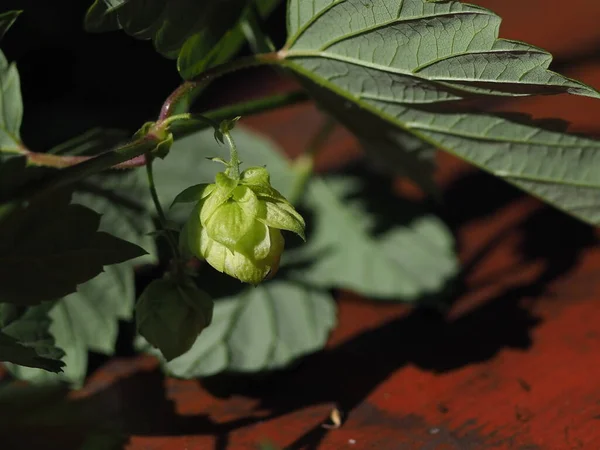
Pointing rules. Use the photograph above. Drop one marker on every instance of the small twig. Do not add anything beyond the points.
(186, 90)
(162, 218)
(180, 129)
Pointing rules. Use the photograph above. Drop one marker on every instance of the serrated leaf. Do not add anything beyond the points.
(262, 328)
(170, 316)
(87, 320)
(25, 338)
(11, 106)
(409, 62)
(57, 245)
(7, 19)
(367, 240)
(414, 52)
(121, 197)
(11, 350)
(124, 201)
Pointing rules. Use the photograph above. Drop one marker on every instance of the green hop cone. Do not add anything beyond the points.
(236, 224)
(170, 316)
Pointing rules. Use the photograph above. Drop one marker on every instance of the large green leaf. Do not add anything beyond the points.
(11, 106)
(57, 245)
(417, 52)
(262, 328)
(25, 338)
(121, 197)
(170, 315)
(410, 62)
(367, 240)
(6, 21)
(86, 320)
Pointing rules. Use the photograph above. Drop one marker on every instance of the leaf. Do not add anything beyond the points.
(170, 316)
(57, 245)
(11, 106)
(124, 201)
(121, 197)
(7, 19)
(423, 52)
(197, 54)
(367, 240)
(25, 339)
(87, 320)
(262, 328)
(198, 34)
(409, 62)
(168, 24)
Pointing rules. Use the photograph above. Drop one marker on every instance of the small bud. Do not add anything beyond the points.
(170, 316)
(236, 225)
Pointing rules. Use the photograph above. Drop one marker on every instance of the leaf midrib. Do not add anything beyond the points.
(403, 126)
(290, 54)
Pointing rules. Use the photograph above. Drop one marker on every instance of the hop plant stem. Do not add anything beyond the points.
(159, 210)
(234, 159)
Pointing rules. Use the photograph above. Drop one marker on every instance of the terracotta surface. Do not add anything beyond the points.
(514, 365)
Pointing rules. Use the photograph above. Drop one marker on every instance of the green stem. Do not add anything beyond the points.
(185, 92)
(86, 168)
(258, 40)
(162, 219)
(192, 124)
(303, 165)
(185, 128)
(234, 160)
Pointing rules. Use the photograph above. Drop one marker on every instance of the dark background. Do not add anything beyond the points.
(73, 80)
